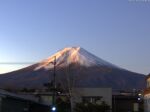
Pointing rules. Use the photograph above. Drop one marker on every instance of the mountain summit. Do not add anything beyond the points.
(74, 64)
(74, 55)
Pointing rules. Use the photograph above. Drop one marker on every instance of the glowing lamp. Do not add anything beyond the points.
(53, 109)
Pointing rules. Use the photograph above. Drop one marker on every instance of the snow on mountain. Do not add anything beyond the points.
(71, 55)
(86, 70)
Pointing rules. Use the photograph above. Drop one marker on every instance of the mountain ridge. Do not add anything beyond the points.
(74, 63)
(75, 55)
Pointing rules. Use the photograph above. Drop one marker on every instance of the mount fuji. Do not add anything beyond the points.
(74, 66)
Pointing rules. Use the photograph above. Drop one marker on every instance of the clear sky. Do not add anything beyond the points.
(115, 30)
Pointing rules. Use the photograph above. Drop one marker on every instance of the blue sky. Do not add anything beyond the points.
(114, 30)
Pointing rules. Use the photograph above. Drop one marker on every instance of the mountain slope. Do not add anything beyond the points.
(73, 55)
(75, 66)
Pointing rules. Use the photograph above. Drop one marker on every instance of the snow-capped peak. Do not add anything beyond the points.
(71, 55)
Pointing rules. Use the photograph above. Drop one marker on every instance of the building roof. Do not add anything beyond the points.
(148, 76)
(24, 97)
(4, 93)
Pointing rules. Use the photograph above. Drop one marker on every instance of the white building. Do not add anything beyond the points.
(93, 95)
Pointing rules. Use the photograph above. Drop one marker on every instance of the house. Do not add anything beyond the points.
(11, 102)
(79, 95)
(147, 95)
(93, 95)
(127, 103)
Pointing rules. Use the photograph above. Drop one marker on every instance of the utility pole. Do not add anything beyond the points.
(54, 86)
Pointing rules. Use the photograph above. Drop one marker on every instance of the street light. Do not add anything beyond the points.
(53, 108)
